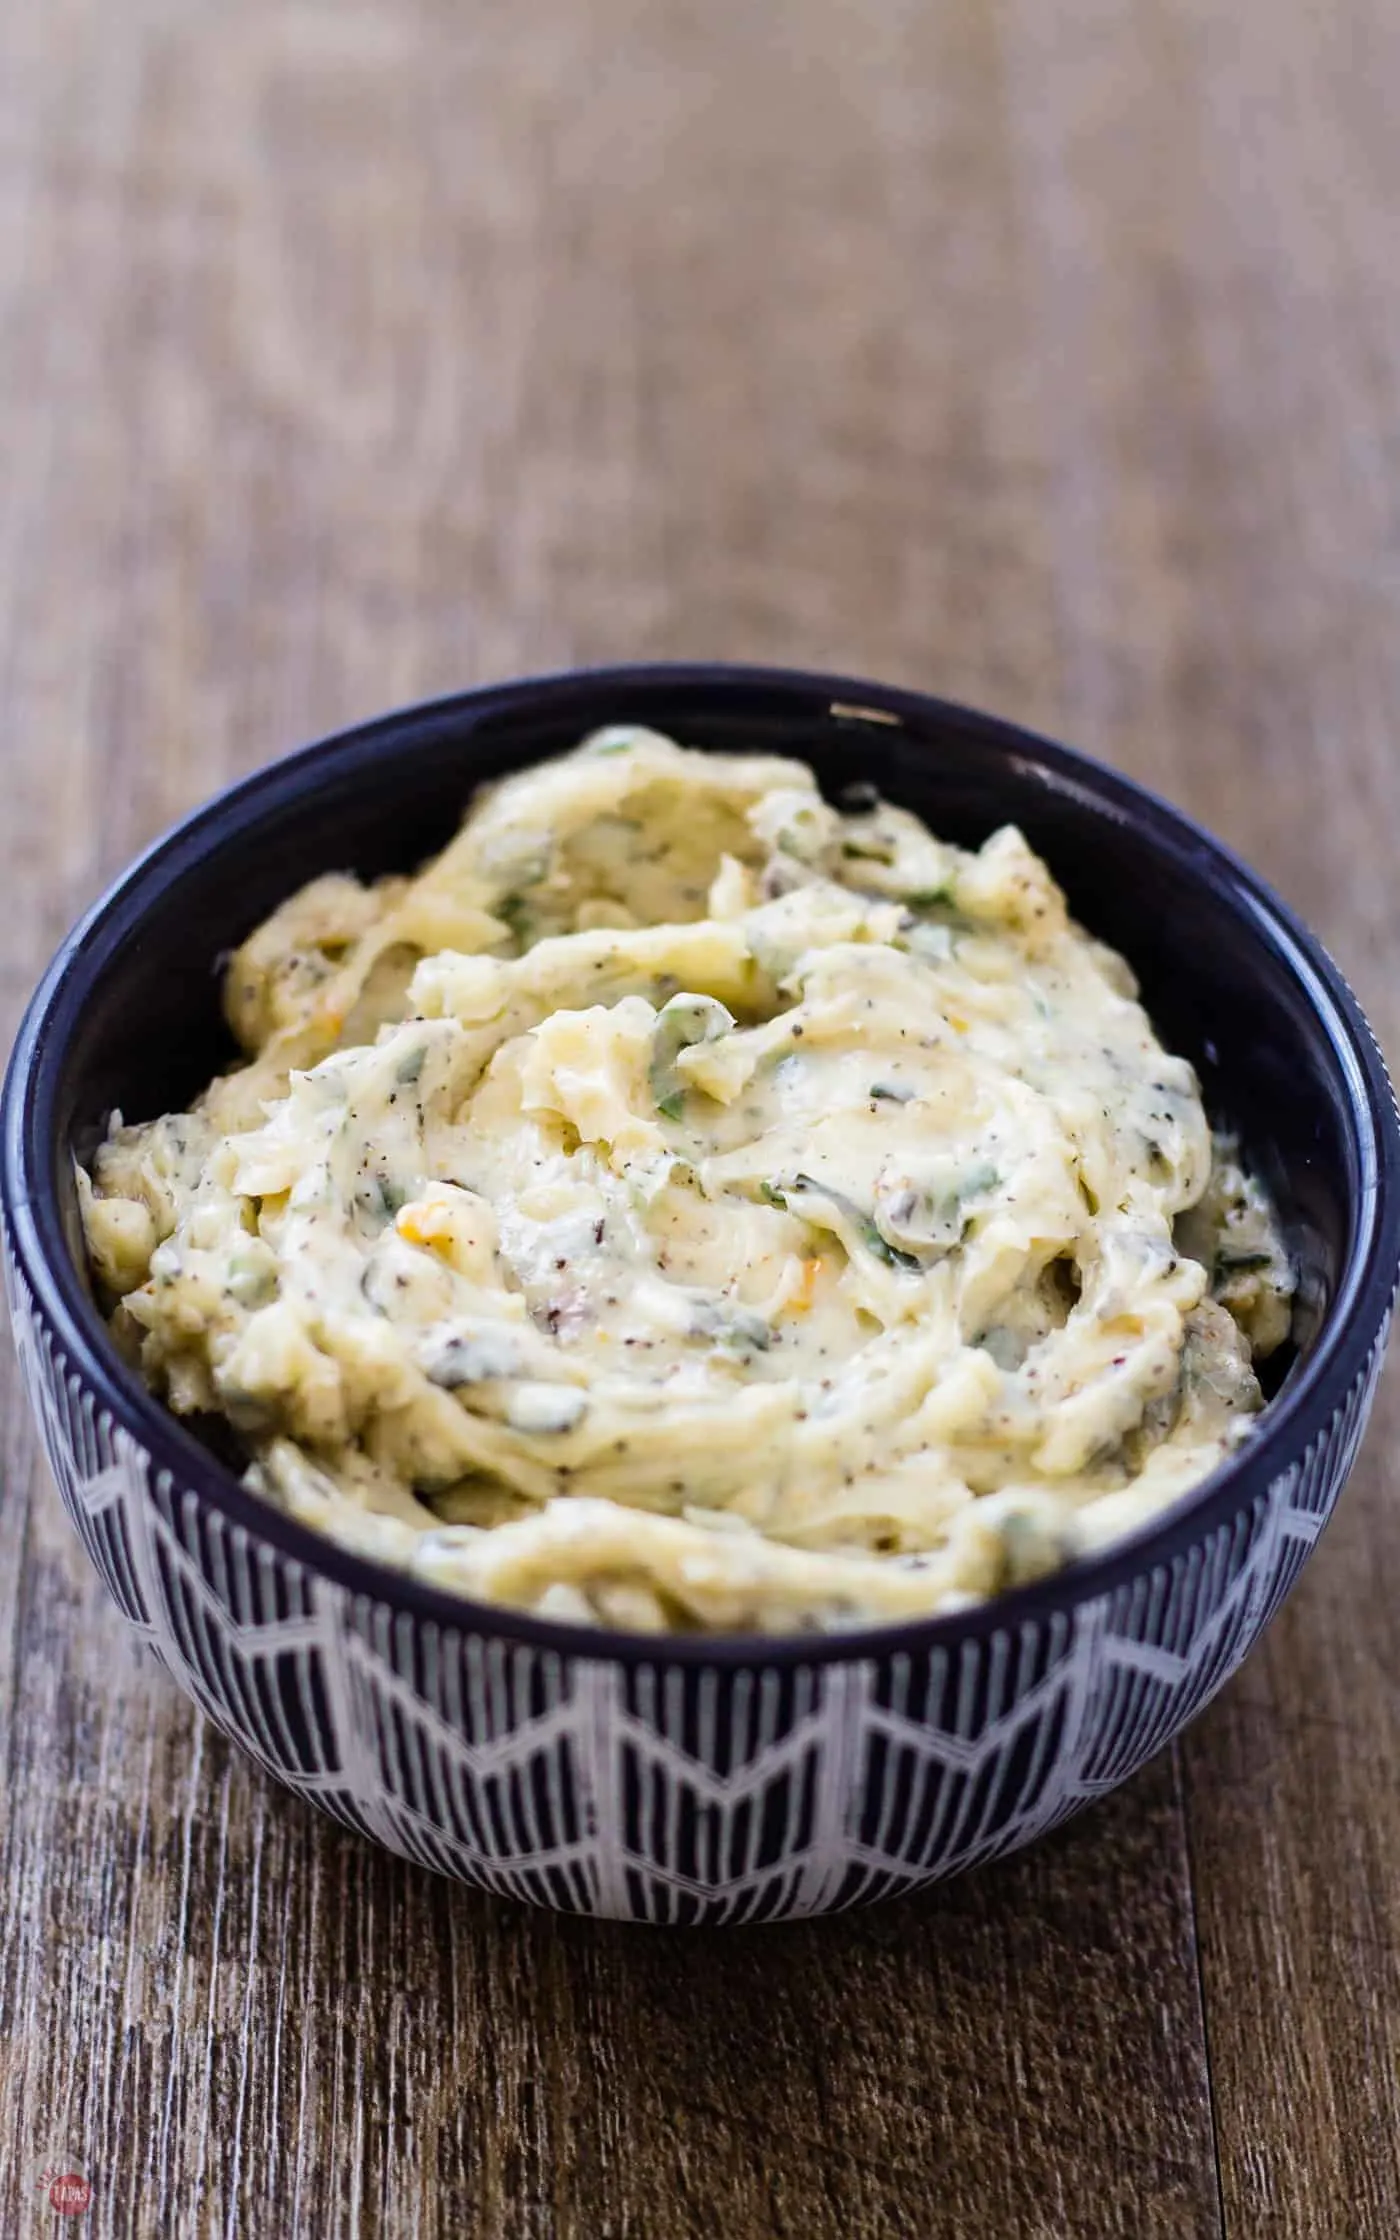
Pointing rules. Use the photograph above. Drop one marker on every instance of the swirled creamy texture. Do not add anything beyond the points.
(688, 1205)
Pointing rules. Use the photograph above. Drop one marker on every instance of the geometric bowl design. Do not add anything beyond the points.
(686, 1780)
(647, 1792)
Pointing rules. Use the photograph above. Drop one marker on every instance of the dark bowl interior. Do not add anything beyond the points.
(132, 1020)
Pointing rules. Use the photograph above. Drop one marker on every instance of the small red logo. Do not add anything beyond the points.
(61, 2180)
(69, 2193)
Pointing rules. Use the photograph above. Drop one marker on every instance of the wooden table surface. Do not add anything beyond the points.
(1042, 352)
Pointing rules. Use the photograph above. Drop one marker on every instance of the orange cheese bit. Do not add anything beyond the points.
(426, 1224)
(800, 1298)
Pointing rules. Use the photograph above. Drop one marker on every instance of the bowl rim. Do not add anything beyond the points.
(1355, 1320)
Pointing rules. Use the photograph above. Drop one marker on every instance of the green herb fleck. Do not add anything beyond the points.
(514, 911)
(884, 1250)
(473, 1360)
(380, 1197)
(862, 1223)
(684, 1021)
(734, 1328)
(252, 1278)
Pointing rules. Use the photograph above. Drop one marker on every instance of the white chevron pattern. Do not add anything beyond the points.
(655, 1793)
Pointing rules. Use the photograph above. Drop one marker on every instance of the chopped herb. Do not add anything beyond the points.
(1006, 1347)
(411, 1067)
(252, 1279)
(922, 938)
(892, 1092)
(684, 1021)
(380, 1197)
(1030, 1548)
(891, 1254)
(862, 1223)
(934, 1219)
(514, 911)
(472, 1360)
(733, 1327)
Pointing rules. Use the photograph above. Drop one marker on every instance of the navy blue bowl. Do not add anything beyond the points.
(699, 1778)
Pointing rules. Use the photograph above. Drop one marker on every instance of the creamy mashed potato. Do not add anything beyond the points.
(690, 1205)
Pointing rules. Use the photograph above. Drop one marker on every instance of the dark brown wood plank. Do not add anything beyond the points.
(1042, 356)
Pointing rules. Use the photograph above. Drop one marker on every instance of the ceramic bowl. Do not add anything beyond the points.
(698, 1779)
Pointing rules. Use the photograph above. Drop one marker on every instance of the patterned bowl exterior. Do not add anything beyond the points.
(649, 1792)
(662, 1781)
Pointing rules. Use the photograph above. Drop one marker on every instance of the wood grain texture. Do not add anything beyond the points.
(1043, 352)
